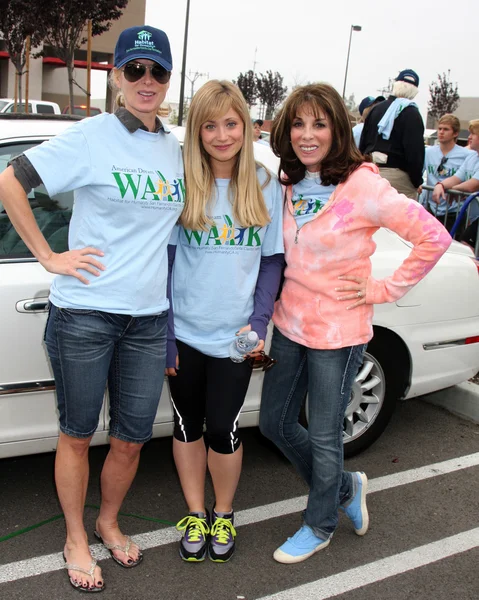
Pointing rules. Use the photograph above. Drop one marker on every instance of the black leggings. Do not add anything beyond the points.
(208, 388)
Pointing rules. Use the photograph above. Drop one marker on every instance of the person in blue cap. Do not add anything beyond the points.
(393, 135)
(364, 107)
(107, 322)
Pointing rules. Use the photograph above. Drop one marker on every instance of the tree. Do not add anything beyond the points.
(63, 23)
(173, 118)
(247, 85)
(17, 22)
(270, 91)
(444, 96)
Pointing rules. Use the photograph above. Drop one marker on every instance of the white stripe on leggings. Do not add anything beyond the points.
(235, 427)
(180, 418)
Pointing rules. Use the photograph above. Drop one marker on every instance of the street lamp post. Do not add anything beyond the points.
(353, 28)
(183, 66)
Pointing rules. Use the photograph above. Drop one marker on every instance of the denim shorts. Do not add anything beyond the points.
(90, 349)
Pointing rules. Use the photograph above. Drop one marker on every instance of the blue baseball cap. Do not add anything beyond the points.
(369, 101)
(409, 76)
(143, 42)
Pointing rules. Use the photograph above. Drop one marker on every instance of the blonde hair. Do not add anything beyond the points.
(403, 89)
(474, 126)
(113, 85)
(366, 112)
(210, 102)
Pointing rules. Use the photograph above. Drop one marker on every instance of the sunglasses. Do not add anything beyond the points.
(262, 361)
(441, 168)
(134, 71)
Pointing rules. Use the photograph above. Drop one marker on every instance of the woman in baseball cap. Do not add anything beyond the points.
(108, 312)
(142, 50)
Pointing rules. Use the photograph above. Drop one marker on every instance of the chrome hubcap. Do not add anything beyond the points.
(366, 401)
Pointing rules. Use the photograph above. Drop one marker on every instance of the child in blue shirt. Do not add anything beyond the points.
(225, 277)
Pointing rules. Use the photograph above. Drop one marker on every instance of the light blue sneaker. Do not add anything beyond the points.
(301, 546)
(357, 510)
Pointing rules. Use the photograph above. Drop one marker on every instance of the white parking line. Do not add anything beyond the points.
(160, 537)
(346, 581)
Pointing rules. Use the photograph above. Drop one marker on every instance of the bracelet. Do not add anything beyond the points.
(441, 184)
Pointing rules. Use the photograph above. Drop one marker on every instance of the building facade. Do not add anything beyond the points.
(48, 79)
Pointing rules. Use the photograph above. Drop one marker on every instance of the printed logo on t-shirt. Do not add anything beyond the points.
(224, 233)
(137, 185)
(432, 170)
(305, 205)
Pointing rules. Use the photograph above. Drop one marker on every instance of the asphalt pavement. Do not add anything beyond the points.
(423, 541)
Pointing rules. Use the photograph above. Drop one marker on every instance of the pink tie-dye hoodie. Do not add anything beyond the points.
(338, 241)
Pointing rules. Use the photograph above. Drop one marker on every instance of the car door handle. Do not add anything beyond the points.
(32, 305)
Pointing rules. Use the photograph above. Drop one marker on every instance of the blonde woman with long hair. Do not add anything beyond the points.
(226, 266)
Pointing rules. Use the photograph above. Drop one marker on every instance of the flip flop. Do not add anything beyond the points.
(78, 586)
(125, 549)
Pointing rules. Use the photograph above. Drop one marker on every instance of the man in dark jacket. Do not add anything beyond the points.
(394, 135)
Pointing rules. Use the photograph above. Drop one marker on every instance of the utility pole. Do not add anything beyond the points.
(192, 79)
(255, 62)
(353, 28)
(388, 89)
(183, 66)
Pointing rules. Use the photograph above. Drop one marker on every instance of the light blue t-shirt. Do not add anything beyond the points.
(453, 161)
(309, 197)
(357, 131)
(469, 168)
(215, 271)
(128, 195)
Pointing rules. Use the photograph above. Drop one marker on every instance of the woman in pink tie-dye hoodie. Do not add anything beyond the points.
(335, 200)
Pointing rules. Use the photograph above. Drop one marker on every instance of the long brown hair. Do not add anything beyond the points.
(343, 157)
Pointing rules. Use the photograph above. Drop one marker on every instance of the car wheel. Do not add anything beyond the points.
(371, 405)
(373, 398)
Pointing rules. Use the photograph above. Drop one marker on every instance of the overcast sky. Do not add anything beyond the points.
(310, 42)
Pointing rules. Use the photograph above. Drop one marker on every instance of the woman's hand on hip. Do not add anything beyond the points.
(69, 263)
(356, 290)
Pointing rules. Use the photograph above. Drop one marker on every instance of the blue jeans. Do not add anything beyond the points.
(87, 348)
(327, 376)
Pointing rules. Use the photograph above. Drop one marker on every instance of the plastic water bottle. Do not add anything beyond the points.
(243, 344)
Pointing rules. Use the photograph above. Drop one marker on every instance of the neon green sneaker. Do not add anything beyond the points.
(222, 540)
(194, 542)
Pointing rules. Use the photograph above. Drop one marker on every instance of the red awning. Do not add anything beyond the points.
(79, 64)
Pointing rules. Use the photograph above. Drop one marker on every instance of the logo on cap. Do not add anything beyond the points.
(143, 40)
(144, 35)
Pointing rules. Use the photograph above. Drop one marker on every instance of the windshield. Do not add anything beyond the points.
(3, 103)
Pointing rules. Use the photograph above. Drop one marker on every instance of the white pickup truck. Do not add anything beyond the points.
(7, 105)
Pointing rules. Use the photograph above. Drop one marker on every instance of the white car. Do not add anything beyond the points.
(427, 341)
